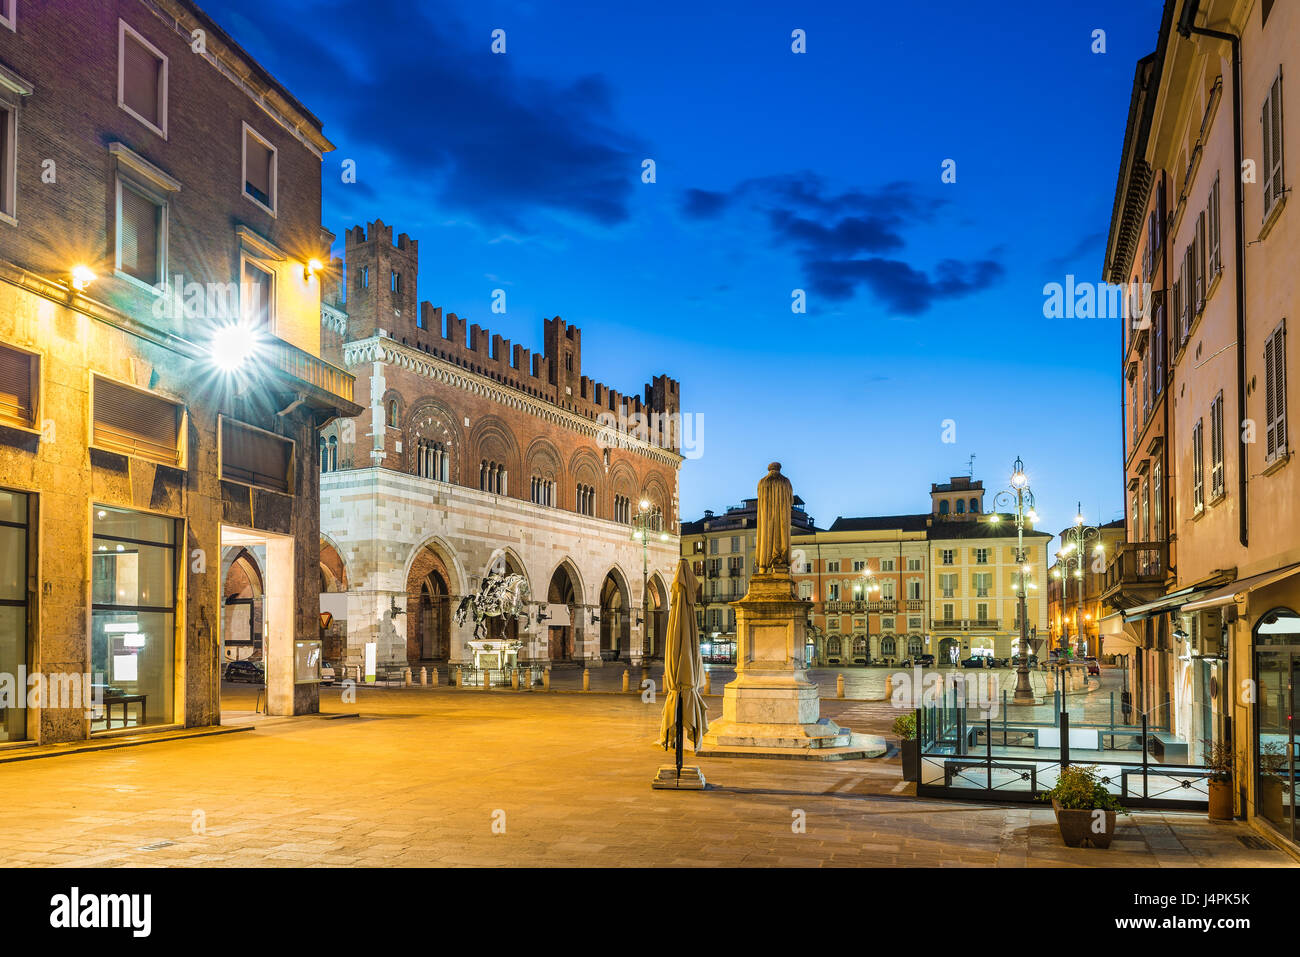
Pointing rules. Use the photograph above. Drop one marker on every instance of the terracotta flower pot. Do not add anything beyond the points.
(1080, 825)
(1220, 800)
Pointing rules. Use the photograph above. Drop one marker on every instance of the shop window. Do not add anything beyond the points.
(133, 604)
(14, 544)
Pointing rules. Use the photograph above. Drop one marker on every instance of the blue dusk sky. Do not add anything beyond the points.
(774, 171)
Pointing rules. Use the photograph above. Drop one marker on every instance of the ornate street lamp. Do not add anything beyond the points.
(642, 530)
(1074, 554)
(1019, 494)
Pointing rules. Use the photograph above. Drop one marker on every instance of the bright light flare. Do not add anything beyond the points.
(82, 276)
(233, 346)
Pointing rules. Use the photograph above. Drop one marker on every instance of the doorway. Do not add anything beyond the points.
(257, 648)
(1276, 745)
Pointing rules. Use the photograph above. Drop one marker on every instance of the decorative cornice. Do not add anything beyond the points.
(383, 349)
(335, 319)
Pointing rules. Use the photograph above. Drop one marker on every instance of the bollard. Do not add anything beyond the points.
(708, 682)
(546, 680)
(586, 679)
(460, 677)
(424, 677)
(406, 677)
(514, 679)
(626, 679)
(434, 677)
(839, 685)
(889, 687)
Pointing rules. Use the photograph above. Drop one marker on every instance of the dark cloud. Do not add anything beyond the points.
(704, 204)
(426, 98)
(842, 238)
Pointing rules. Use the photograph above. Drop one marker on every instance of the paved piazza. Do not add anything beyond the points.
(422, 775)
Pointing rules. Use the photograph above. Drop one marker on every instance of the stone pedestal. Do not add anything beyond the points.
(771, 709)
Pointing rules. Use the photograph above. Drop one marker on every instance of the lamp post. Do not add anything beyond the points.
(642, 530)
(1073, 553)
(1020, 494)
(868, 586)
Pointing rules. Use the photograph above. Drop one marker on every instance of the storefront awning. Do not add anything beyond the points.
(1226, 594)
(1168, 603)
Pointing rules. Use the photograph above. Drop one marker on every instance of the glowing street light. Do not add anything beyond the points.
(82, 276)
(232, 346)
(1021, 497)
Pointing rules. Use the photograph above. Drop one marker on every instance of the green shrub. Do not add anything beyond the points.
(1078, 787)
(905, 726)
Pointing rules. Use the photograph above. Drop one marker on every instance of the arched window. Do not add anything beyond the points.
(887, 647)
(334, 453)
(392, 413)
(974, 506)
(913, 646)
(943, 507)
(324, 456)
(961, 506)
(833, 647)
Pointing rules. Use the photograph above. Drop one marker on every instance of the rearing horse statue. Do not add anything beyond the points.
(500, 596)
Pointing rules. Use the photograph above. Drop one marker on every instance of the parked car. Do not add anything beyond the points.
(250, 671)
(925, 661)
(1033, 661)
(1094, 666)
(977, 661)
(326, 673)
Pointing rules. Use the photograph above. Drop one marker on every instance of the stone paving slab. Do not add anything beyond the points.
(465, 779)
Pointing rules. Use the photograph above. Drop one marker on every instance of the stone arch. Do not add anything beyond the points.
(615, 614)
(429, 597)
(458, 579)
(333, 567)
(622, 485)
(429, 421)
(656, 611)
(542, 463)
(657, 494)
(565, 587)
(514, 565)
(242, 603)
(585, 469)
(492, 441)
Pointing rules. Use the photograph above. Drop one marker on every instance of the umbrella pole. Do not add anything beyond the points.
(679, 738)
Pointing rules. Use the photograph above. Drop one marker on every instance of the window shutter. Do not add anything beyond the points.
(255, 457)
(16, 386)
(1270, 402)
(136, 423)
(139, 243)
(1279, 388)
(141, 73)
(1199, 259)
(257, 168)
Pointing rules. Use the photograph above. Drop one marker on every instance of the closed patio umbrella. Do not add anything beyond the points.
(684, 710)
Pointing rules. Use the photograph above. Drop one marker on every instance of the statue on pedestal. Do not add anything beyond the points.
(775, 499)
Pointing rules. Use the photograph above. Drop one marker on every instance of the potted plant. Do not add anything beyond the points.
(1085, 810)
(1272, 759)
(1221, 761)
(905, 728)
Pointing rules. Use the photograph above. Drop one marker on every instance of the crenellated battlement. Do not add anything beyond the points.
(377, 290)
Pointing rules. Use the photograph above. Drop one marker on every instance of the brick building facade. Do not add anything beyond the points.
(145, 154)
(473, 454)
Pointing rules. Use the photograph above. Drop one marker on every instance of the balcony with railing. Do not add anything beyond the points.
(1136, 565)
(964, 624)
(309, 369)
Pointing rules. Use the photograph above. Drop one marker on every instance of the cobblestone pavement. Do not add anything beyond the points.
(422, 777)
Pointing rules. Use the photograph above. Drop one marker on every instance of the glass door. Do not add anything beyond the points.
(1277, 752)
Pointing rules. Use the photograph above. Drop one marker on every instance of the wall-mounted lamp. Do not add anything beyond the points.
(542, 616)
(394, 611)
(82, 276)
(595, 618)
(310, 268)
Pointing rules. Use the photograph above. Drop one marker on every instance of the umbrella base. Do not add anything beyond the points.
(691, 779)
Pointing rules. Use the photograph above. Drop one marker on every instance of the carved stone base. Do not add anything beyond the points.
(691, 778)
